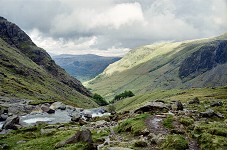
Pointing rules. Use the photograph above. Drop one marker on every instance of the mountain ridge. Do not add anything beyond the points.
(156, 67)
(32, 73)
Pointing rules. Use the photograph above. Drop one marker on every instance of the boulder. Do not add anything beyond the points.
(81, 136)
(207, 114)
(11, 123)
(3, 117)
(179, 105)
(47, 109)
(58, 105)
(216, 104)
(194, 101)
(75, 117)
(152, 106)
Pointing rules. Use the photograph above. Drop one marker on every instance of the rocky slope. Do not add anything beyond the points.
(197, 63)
(27, 71)
(84, 67)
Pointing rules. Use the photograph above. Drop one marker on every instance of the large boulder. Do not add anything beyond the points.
(152, 106)
(210, 113)
(76, 117)
(194, 101)
(81, 136)
(47, 109)
(58, 105)
(3, 117)
(11, 122)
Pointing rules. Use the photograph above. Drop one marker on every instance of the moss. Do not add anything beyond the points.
(135, 125)
(187, 121)
(168, 122)
(175, 142)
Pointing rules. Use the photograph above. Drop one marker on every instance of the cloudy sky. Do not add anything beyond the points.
(113, 27)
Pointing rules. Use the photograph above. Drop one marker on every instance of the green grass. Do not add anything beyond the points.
(23, 78)
(154, 67)
(37, 141)
(133, 125)
(175, 142)
(168, 122)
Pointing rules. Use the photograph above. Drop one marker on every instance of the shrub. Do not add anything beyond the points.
(99, 100)
(123, 95)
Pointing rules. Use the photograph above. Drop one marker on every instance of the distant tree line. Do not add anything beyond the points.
(123, 95)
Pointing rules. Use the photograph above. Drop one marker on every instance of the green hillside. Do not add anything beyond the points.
(172, 65)
(28, 72)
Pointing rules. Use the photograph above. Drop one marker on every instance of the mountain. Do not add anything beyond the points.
(84, 67)
(195, 63)
(27, 71)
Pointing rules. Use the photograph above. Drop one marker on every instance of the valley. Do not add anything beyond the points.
(168, 95)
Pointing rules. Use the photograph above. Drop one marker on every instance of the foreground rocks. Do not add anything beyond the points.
(152, 106)
(11, 123)
(80, 136)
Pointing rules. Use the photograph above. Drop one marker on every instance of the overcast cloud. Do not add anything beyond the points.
(113, 27)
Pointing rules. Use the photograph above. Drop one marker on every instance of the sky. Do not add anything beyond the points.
(113, 27)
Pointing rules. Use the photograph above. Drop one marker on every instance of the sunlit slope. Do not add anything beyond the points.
(165, 66)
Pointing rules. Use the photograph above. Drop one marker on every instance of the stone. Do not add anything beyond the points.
(207, 114)
(47, 132)
(152, 106)
(179, 105)
(194, 101)
(3, 117)
(81, 136)
(21, 142)
(11, 123)
(46, 109)
(216, 104)
(75, 117)
(58, 105)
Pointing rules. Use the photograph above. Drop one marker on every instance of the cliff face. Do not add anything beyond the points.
(206, 58)
(18, 39)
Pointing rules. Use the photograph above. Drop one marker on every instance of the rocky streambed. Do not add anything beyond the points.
(49, 113)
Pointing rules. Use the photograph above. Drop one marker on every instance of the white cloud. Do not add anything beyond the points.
(108, 27)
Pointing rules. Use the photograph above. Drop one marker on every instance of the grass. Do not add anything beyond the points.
(23, 78)
(35, 140)
(168, 122)
(134, 125)
(159, 64)
(175, 142)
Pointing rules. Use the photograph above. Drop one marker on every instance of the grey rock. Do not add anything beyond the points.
(179, 105)
(152, 106)
(75, 117)
(11, 122)
(21, 142)
(46, 109)
(216, 104)
(194, 101)
(207, 114)
(3, 117)
(80, 136)
(58, 105)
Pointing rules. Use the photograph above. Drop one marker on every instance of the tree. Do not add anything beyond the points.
(99, 100)
(123, 95)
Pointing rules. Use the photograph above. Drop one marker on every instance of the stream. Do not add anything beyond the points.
(60, 116)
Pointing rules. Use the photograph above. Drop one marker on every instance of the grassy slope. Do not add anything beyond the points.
(206, 95)
(154, 67)
(21, 77)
